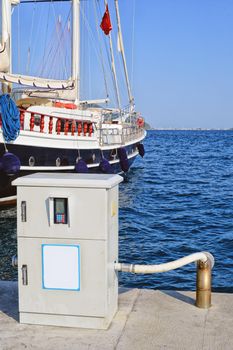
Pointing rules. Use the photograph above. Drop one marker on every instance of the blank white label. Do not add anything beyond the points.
(61, 266)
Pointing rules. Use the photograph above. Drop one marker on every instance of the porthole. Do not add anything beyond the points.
(31, 161)
(58, 161)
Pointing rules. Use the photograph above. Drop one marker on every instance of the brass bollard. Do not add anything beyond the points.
(203, 284)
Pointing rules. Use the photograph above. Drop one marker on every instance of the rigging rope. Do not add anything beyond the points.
(133, 43)
(30, 41)
(18, 39)
(101, 51)
(46, 37)
(60, 49)
(97, 50)
(10, 118)
(113, 67)
(55, 61)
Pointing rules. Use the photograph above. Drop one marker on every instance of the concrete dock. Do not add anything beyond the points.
(146, 319)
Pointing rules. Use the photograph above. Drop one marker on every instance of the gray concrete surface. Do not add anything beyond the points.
(146, 319)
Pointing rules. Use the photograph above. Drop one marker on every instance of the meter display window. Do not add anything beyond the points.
(60, 210)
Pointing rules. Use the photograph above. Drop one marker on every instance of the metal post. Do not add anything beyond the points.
(203, 284)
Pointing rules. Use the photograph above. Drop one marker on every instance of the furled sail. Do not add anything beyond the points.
(4, 58)
(39, 83)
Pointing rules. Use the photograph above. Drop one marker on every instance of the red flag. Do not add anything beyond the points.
(106, 25)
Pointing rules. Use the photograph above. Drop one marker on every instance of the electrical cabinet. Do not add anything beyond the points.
(67, 231)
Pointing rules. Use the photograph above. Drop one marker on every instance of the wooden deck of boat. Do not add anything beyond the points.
(146, 319)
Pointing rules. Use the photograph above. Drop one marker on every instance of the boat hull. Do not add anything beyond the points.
(46, 160)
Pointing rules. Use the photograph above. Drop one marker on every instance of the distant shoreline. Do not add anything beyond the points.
(189, 129)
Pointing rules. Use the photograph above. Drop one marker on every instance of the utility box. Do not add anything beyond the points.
(67, 229)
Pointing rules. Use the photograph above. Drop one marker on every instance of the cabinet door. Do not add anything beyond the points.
(67, 278)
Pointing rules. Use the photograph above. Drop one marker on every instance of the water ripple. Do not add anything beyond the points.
(180, 200)
(176, 201)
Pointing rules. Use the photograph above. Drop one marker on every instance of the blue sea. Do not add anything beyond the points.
(175, 201)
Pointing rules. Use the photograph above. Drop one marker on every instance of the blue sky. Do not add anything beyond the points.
(182, 60)
(183, 73)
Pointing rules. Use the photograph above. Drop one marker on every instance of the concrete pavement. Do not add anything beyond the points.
(147, 319)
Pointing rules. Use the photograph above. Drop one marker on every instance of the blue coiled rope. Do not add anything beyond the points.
(10, 118)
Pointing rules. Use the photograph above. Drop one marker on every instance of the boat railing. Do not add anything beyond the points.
(119, 134)
(108, 134)
(54, 125)
(131, 132)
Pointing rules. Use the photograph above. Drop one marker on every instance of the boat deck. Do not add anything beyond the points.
(146, 319)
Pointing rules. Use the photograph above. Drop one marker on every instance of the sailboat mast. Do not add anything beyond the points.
(6, 24)
(76, 47)
(113, 68)
(121, 46)
(6, 43)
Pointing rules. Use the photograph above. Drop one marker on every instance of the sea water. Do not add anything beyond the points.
(175, 201)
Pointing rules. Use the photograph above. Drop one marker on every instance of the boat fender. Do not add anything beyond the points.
(59, 105)
(141, 149)
(124, 163)
(81, 167)
(70, 106)
(10, 163)
(105, 166)
(65, 105)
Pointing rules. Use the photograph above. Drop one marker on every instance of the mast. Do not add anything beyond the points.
(121, 46)
(114, 72)
(6, 27)
(75, 64)
(5, 52)
(113, 67)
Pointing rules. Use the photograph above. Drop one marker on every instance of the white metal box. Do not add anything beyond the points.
(67, 228)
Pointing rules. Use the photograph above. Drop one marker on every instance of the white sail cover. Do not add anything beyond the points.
(4, 60)
(40, 83)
